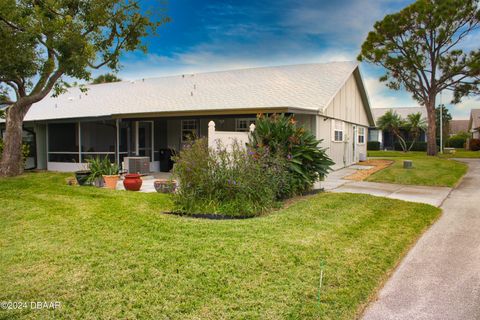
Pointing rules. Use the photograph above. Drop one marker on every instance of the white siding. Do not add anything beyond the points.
(347, 106)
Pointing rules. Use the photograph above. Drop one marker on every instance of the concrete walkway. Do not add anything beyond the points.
(440, 277)
(335, 182)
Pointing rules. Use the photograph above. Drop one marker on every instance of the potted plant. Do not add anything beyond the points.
(102, 171)
(95, 177)
(110, 174)
(165, 185)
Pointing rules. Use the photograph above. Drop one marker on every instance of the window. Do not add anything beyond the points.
(189, 130)
(361, 135)
(243, 124)
(338, 129)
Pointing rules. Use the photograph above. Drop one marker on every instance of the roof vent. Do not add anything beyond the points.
(70, 98)
(191, 93)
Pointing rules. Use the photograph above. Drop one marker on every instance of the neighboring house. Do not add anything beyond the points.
(140, 118)
(457, 126)
(474, 123)
(387, 139)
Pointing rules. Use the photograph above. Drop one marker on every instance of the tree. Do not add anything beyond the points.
(393, 123)
(420, 49)
(446, 118)
(106, 78)
(415, 125)
(43, 41)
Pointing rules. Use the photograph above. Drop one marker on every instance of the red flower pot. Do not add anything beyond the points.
(132, 182)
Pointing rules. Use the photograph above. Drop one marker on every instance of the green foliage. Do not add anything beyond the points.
(373, 145)
(99, 167)
(422, 48)
(394, 123)
(106, 78)
(234, 182)
(70, 37)
(475, 144)
(280, 136)
(44, 42)
(458, 140)
(423, 37)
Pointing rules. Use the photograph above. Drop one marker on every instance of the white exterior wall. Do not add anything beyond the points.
(347, 106)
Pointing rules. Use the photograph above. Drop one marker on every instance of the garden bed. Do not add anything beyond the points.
(209, 216)
(377, 164)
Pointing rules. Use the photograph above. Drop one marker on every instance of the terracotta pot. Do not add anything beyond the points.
(111, 181)
(165, 186)
(132, 182)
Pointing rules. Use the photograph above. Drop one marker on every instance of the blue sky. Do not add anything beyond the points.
(217, 35)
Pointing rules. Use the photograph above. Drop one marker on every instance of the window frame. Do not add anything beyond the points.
(360, 135)
(192, 131)
(335, 130)
(249, 122)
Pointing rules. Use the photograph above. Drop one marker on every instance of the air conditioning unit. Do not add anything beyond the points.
(137, 164)
(362, 157)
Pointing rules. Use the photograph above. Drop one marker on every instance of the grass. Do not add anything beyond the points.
(112, 254)
(428, 171)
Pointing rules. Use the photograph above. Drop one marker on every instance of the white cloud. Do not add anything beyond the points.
(382, 97)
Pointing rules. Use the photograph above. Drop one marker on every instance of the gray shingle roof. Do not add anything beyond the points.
(308, 87)
(457, 126)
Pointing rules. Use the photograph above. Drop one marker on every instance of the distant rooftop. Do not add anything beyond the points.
(457, 126)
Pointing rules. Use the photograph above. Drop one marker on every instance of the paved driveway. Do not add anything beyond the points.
(440, 277)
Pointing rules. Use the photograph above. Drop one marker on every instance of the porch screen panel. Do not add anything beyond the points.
(98, 139)
(63, 142)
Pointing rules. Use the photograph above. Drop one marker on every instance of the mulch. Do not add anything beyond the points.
(378, 164)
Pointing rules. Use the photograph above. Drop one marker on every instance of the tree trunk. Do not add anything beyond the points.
(12, 160)
(432, 129)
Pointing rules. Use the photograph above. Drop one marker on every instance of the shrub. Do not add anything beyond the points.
(458, 140)
(417, 146)
(280, 136)
(234, 182)
(475, 144)
(373, 145)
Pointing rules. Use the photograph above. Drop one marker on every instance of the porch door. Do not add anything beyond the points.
(145, 139)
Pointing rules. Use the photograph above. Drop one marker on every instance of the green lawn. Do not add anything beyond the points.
(112, 254)
(429, 171)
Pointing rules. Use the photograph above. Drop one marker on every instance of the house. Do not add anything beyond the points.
(387, 139)
(457, 126)
(474, 123)
(144, 117)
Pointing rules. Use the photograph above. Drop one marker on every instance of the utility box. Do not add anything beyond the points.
(407, 164)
